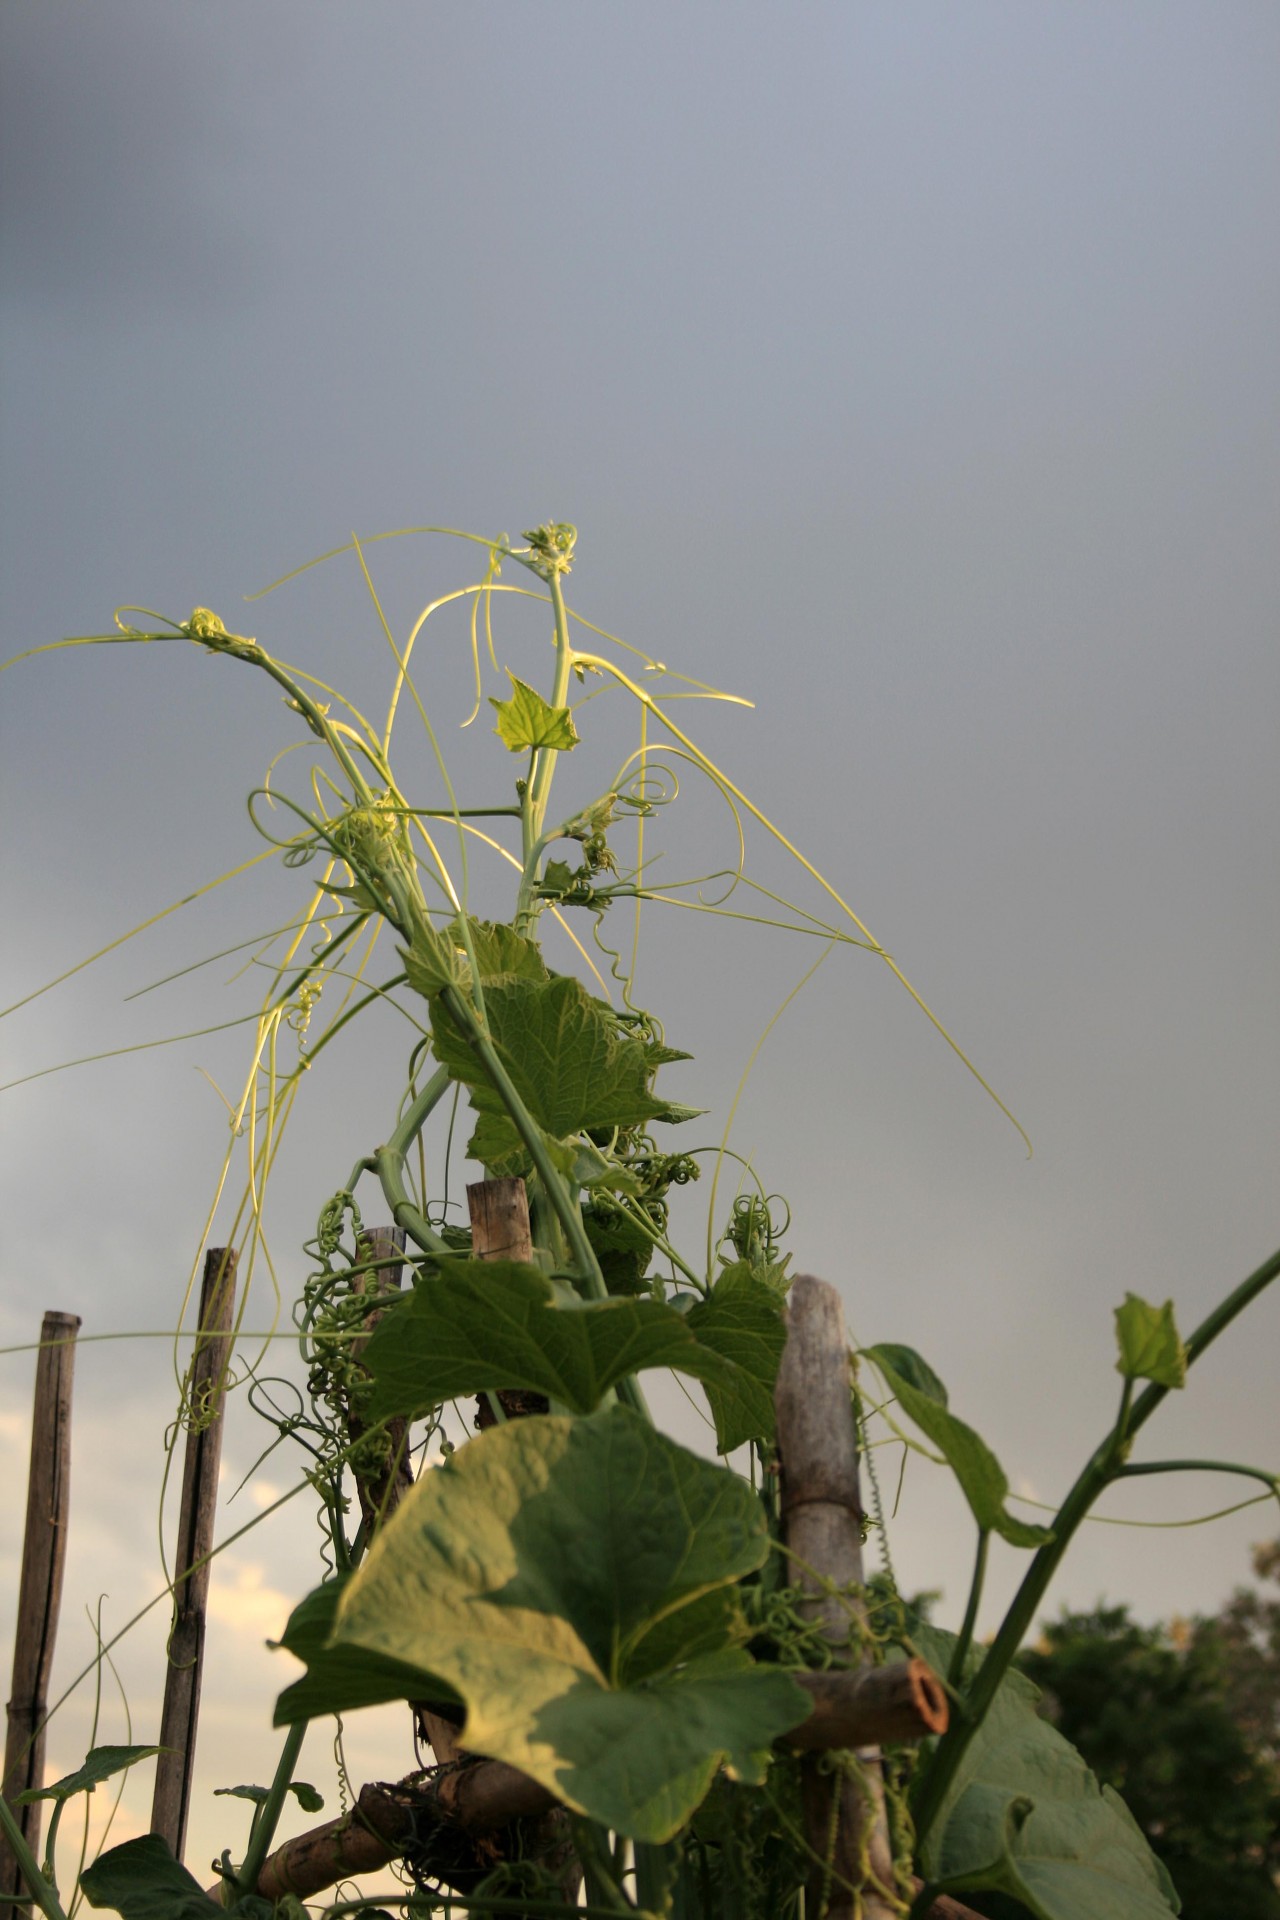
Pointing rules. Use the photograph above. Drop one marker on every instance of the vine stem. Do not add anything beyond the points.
(566, 1212)
(533, 805)
(388, 1163)
(41, 1892)
(267, 1818)
(1106, 1464)
(955, 1674)
(540, 781)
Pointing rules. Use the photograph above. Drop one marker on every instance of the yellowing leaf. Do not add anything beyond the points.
(532, 1570)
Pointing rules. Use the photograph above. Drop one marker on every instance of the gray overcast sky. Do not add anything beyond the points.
(910, 370)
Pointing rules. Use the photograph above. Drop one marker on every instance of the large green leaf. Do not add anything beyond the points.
(571, 1064)
(526, 720)
(530, 1571)
(141, 1880)
(498, 1324)
(1026, 1817)
(341, 1678)
(741, 1321)
(982, 1478)
(1150, 1345)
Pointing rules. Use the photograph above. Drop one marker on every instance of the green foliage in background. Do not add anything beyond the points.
(1183, 1721)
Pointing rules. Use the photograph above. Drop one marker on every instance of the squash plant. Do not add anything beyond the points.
(590, 1602)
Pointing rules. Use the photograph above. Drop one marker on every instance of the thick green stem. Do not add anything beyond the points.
(545, 760)
(388, 1164)
(955, 1673)
(463, 1015)
(464, 1018)
(267, 1818)
(537, 791)
(41, 1892)
(1104, 1466)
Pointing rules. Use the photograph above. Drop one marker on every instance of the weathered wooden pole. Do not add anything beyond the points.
(500, 1230)
(44, 1552)
(844, 1811)
(204, 1398)
(381, 1492)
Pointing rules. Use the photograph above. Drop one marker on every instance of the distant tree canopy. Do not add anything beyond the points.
(1184, 1721)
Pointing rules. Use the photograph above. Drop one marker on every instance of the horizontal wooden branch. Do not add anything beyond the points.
(476, 1797)
(896, 1704)
(900, 1702)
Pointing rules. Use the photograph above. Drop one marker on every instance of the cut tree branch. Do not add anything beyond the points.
(901, 1702)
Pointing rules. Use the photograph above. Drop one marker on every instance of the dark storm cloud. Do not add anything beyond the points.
(909, 369)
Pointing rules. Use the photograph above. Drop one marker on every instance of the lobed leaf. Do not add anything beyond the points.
(741, 1321)
(341, 1678)
(1150, 1345)
(527, 721)
(499, 950)
(497, 1323)
(532, 1571)
(570, 1063)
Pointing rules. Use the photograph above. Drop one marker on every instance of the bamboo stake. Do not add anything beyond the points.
(44, 1552)
(844, 1814)
(204, 1400)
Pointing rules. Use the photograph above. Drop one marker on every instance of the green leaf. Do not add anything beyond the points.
(559, 878)
(141, 1880)
(341, 1678)
(1150, 1346)
(306, 1795)
(357, 893)
(99, 1764)
(433, 961)
(909, 1366)
(586, 1166)
(531, 1569)
(526, 720)
(982, 1478)
(623, 1249)
(499, 949)
(740, 1320)
(1026, 1817)
(498, 1323)
(570, 1063)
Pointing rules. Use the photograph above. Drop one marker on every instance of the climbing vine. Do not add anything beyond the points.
(644, 1676)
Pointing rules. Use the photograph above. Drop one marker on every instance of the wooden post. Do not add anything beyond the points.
(44, 1552)
(204, 1397)
(381, 1493)
(500, 1230)
(844, 1815)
